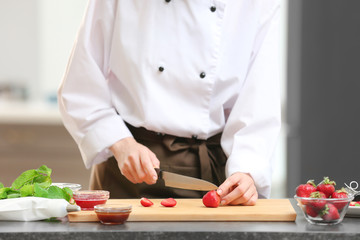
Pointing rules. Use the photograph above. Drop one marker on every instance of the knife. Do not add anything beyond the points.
(184, 182)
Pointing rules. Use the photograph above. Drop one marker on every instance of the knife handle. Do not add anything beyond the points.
(159, 172)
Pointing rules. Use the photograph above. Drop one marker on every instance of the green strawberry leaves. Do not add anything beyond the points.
(37, 183)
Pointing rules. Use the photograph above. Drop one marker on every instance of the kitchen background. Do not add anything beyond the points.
(320, 43)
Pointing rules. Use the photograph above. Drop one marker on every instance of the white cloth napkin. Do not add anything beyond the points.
(32, 208)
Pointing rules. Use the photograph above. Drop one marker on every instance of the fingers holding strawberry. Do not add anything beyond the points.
(238, 189)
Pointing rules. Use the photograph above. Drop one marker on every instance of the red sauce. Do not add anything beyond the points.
(112, 217)
(89, 204)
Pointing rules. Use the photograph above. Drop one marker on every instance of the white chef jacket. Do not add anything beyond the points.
(181, 67)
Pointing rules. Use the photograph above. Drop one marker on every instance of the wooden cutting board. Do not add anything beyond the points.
(194, 210)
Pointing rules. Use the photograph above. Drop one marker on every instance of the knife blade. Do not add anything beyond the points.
(184, 182)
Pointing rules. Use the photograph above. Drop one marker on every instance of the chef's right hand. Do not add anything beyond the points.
(136, 162)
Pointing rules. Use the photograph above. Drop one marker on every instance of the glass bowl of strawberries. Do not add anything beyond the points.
(323, 204)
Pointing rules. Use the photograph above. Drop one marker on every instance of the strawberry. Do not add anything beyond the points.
(319, 201)
(355, 204)
(146, 202)
(211, 199)
(169, 202)
(326, 186)
(311, 211)
(304, 190)
(340, 194)
(330, 212)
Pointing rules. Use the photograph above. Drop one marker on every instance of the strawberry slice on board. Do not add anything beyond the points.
(146, 202)
(169, 202)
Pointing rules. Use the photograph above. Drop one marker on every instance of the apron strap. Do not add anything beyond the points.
(208, 162)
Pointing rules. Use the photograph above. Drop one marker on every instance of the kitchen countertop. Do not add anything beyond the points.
(300, 229)
(32, 112)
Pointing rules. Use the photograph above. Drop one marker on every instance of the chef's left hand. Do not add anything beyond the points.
(238, 189)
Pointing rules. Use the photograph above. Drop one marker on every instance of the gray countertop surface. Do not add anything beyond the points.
(300, 229)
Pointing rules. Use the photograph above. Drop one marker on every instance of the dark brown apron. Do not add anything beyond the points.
(188, 156)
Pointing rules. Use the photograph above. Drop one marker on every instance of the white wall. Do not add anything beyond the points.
(19, 37)
(35, 42)
(279, 175)
(59, 21)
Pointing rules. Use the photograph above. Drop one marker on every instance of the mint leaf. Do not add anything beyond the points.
(3, 192)
(56, 193)
(39, 191)
(69, 192)
(27, 190)
(35, 182)
(44, 181)
(13, 195)
(44, 170)
(24, 178)
(52, 219)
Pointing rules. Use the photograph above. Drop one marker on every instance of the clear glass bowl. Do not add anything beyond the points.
(73, 186)
(324, 211)
(111, 214)
(88, 199)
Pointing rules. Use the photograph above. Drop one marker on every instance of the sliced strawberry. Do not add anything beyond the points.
(340, 194)
(304, 190)
(169, 202)
(355, 204)
(330, 212)
(326, 186)
(318, 202)
(146, 202)
(211, 199)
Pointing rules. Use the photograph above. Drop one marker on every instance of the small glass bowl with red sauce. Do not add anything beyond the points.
(111, 214)
(88, 199)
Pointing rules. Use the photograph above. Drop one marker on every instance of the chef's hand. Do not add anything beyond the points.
(238, 189)
(136, 162)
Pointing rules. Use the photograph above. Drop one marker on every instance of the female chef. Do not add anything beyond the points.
(190, 86)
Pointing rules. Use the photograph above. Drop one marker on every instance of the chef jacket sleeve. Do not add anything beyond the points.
(252, 129)
(84, 95)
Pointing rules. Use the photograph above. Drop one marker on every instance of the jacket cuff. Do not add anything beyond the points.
(94, 147)
(259, 170)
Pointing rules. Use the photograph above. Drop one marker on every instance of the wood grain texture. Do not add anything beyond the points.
(194, 210)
